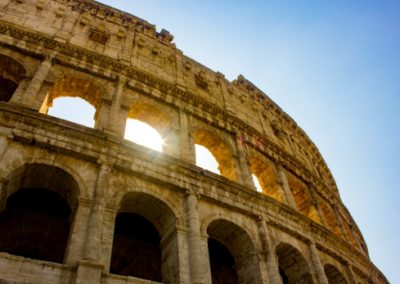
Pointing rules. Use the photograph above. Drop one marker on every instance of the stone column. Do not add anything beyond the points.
(183, 255)
(244, 169)
(77, 232)
(109, 218)
(269, 254)
(196, 254)
(317, 265)
(28, 98)
(286, 189)
(113, 125)
(207, 267)
(92, 247)
(187, 151)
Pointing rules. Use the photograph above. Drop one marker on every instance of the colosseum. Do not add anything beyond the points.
(84, 205)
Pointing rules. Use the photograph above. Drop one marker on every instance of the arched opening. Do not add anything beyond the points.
(267, 177)
(333, 275)
(349, 234)
(233, 258)
(257, 183)
(219, 150)
(11, 73)
(303, 198)
(144, 244)
(222, 263)
(148, 126)
(136, 248)
(143, 134)
(73, 109)
(73, 99)
(206, 160)
(37, 212)
(330, 217)
(293, 267)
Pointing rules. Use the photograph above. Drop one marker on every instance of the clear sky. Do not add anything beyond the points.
(334, 66)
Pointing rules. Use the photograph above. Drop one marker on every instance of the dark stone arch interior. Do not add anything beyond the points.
(222, 263)
(35, 224)
(285, 279)
(241, 248)
(11, 73)
(293, 268)
(7, 89)
(136, 248)
(333, 275)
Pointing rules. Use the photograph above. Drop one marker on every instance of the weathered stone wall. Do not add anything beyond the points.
(126, 69)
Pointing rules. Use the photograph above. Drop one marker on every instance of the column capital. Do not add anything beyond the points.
(50, 58)
(192, 192)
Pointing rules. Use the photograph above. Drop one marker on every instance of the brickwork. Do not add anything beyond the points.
(295, 231)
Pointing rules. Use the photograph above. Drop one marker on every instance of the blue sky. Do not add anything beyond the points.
(334, 66)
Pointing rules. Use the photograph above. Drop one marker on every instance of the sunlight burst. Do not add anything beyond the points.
(143, 134)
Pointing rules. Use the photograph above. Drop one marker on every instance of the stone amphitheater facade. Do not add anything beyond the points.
(84, 205)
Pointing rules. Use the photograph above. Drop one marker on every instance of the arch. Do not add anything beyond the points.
(19, 164)
(330, 217)
(232, 254)
(143, 134)
(150, 207)
(293, 267)
(74, 87)
(151, 115)
(267, 175)
(51, 177)
(158, 120)
(150, 241)
(11, 74)
(38, 205)
(135, 187)
(303, 198)
(333, 275)
(220, 150)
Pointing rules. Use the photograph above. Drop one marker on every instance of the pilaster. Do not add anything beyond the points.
(317, 264)
(187, 150)
(29, 97)
(271, 263)
(113, 124)
(92, 247)
(244, 169)
(285, 187)
(196, 254)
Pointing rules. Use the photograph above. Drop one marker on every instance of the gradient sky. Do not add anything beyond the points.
(333, 66)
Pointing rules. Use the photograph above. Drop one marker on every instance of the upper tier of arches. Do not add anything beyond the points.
(115, 103)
